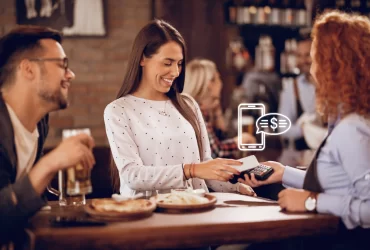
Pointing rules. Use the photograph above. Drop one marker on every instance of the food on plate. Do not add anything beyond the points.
(198, 192)
(180, 198)
(110, 205)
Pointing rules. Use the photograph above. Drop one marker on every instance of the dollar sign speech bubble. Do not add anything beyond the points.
(274, 121)
(274, 125)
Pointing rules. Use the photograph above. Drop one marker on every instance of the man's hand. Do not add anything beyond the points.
(73, 150)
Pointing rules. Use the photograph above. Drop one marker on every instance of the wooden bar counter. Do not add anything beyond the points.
(235, 219)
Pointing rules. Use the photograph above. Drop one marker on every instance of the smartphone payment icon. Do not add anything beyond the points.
(248, 113)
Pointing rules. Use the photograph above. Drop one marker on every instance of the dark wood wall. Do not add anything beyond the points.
(201, 23)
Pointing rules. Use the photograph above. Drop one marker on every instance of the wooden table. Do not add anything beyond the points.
(236, 219)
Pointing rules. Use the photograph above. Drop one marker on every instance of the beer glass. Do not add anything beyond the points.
(75, 182)
(248, 124)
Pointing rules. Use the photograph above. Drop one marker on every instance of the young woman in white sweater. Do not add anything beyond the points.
(157, 135)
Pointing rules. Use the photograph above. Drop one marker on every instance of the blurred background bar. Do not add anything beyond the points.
(238, 35)
(244, 38)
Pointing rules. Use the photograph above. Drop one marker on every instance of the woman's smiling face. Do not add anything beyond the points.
(161, 69)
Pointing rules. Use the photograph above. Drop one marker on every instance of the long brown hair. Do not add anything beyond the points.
(147, 42)
(342, 57)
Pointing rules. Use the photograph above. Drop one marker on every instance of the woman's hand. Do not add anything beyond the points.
(293, 200)
(245, 189)
(276, 176)
(216, 169)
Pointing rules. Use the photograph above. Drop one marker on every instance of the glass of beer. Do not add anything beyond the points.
(248, 125)
(77, 177)
(75, 182)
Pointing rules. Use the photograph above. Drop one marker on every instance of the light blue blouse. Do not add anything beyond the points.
(344, 172)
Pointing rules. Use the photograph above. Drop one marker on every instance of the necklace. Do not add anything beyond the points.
(163, 112)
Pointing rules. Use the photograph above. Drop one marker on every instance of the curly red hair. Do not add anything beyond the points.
(342, 64)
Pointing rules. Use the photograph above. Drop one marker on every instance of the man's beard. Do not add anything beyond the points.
(47, 95)
(56, 98)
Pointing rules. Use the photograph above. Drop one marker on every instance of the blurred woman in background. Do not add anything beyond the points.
(203, 83)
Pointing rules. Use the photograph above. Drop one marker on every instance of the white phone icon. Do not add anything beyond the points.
(248, 113)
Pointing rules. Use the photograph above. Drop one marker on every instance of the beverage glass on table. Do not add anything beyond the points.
(75, 182)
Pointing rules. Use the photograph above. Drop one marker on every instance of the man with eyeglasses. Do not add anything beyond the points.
(34, 80)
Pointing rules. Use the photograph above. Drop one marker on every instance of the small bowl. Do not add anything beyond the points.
(199, 192)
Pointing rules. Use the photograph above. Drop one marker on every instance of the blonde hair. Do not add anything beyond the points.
(342, 56)
(198, 74)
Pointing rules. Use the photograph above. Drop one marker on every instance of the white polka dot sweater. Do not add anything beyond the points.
(150, 140)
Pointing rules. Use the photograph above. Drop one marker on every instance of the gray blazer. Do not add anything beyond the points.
(18, 199)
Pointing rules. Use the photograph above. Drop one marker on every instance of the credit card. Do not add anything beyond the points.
(249, 162)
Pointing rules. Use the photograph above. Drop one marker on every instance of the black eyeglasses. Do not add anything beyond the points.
(63, 60)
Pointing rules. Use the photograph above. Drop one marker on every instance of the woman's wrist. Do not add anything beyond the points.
(183, 172)
(189, 170)
(192, 174)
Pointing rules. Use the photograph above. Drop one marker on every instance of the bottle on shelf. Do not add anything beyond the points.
(287, 13)
(267, 10)
(253, 12)
(275, 16)
(288, 59)
(265, 54)
(261, 17)
(247, 19)
(240, 14)
(300, 14)
(231, 7)
(292, 58)
(309, 8)
(356, 6)
(340, 4)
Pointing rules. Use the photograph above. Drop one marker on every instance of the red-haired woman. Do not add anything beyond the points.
(338, 179)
